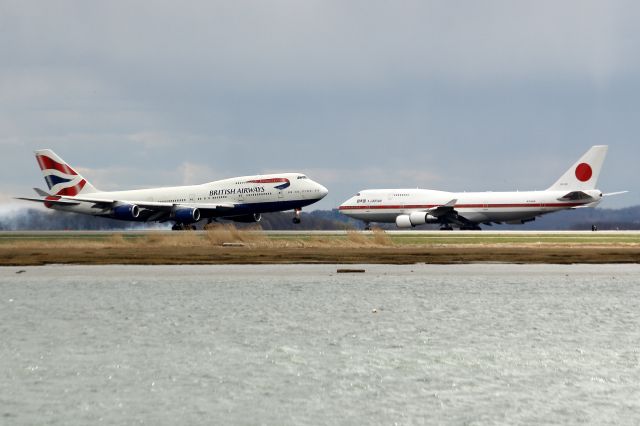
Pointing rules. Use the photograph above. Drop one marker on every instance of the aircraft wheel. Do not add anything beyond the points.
(296, 217)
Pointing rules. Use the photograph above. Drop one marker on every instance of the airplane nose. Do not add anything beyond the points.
(323, 191)
(343, 208)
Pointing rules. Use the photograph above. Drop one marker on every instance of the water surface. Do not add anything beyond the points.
(469, 344)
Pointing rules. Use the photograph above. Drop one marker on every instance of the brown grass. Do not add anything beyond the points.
(127, 253)
(357, 238)
(177, 239)
(381, 238)
(218, 234)
(354, 247)
(116, 240)
(214, 236)
(378, 238)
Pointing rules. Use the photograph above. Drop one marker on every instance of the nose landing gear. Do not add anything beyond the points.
(296, 218)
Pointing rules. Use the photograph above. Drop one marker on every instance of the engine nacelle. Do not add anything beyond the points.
(186, 215)
(420, 218)
(414, 219)
(403, 221)
(247, 218)
(126, 212)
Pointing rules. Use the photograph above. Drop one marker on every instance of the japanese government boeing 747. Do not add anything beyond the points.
(241, 199)
(467, 210)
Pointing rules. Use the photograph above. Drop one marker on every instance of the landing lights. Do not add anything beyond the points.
(296, 218)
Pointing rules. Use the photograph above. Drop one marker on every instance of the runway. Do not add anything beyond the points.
(431, 233)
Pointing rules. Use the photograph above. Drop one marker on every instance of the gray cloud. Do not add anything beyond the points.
(465, 95)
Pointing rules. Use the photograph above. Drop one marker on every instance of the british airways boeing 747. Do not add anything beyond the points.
(241, 199)
(576, 188)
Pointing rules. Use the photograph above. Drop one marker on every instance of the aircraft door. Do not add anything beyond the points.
(192, 198)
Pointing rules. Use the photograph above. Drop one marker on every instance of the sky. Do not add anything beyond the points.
(450, 95)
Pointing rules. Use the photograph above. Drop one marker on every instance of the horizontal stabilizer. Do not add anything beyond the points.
(59, 201)
(614, 193)
(41, 193)
(586, 206)
(575, 196)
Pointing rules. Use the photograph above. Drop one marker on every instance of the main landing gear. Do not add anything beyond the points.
(296, 218)
(183, 227)
(446, 227)
(367, 226)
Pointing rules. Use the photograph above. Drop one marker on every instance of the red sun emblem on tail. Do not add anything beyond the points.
(583, 172)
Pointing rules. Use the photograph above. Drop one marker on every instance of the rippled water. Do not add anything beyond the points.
(474, 344)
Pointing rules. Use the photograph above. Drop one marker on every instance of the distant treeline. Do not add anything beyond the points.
(34, 219)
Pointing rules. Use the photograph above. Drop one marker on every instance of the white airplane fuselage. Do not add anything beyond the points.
(385, 205)
(243, 196)
(413, 207)
(241, 199)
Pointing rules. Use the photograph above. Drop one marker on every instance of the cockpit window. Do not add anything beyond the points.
(358, 194)
(302, 177)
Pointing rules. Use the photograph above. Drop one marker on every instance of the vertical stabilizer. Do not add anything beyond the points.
(61, 178)
(583, 175)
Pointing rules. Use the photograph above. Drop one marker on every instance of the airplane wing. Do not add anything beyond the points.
(150, 210)
(152, 205)
(448, 214)
(443, 210)
(168, 207)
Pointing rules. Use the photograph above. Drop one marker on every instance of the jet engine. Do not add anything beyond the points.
(414, 219)
(247, 218)
(420, 218)
(125, 212)
(186, 215)
(403, 221)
